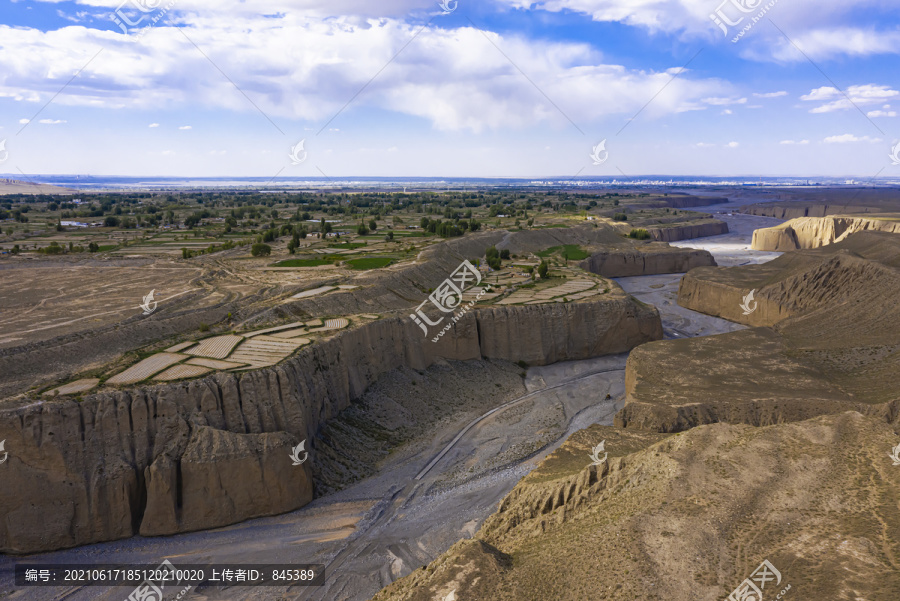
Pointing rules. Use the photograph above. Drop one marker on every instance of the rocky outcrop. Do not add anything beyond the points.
(796, 209)
(713, 503)
(649, 259)
(214, 451)
(825, 341)
(814, 232)
(688, 231)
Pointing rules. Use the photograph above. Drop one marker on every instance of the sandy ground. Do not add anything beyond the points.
(388, 525)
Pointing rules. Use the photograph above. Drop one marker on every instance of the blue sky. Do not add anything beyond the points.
(495, 88)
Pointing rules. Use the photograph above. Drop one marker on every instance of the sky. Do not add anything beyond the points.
(457, 88)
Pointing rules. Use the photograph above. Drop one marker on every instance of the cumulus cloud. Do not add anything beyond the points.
(153, 125)
(183, 127)
(301, 66)
(831, 42)
(724, 101)
(855, 96)
(795, 142)
(880, 113)
(849, 139)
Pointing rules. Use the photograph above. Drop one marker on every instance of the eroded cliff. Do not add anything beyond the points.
(214, 451)
(813, 232)
(648, 259)
(688, 516)
(825, 340)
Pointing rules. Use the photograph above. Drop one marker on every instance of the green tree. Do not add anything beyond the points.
(260, 250)
(543, 270)
(373, 225)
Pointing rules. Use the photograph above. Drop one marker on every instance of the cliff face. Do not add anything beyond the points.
(814, 232)
(650, 259)
(214, 451)
(793, 210)
(712, 227)
(825, 342)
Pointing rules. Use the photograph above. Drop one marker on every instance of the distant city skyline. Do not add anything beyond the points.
(414, 88)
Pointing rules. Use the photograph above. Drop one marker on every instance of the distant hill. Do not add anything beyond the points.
(13, 186)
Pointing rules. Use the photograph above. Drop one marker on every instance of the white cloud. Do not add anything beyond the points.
(849, 139)
(153, 125)
(770, 94)
(733, 144)
(24, 121)
(183, 127)
(52, 121)
(855, 96)
(795, 143)
(705, 145)
(727, 112)
(724, 101)
(872, 114)
(297, 65)
(831, 42)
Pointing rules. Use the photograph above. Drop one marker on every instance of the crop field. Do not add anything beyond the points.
(180, 372)
(215, 348)
(146, 368)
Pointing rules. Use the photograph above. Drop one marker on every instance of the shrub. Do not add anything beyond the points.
(543, 270)
(620, 217)
(261, 250)
(504, 254)
(639, 234)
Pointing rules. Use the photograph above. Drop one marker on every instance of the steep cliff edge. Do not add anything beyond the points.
(648, 259)
(214, 451)
(688, 516)
(813, 232)
(688, 231)
(827, 339)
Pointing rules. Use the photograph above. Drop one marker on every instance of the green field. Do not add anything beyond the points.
(348, 245)
(303, 263)
(369, 263)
